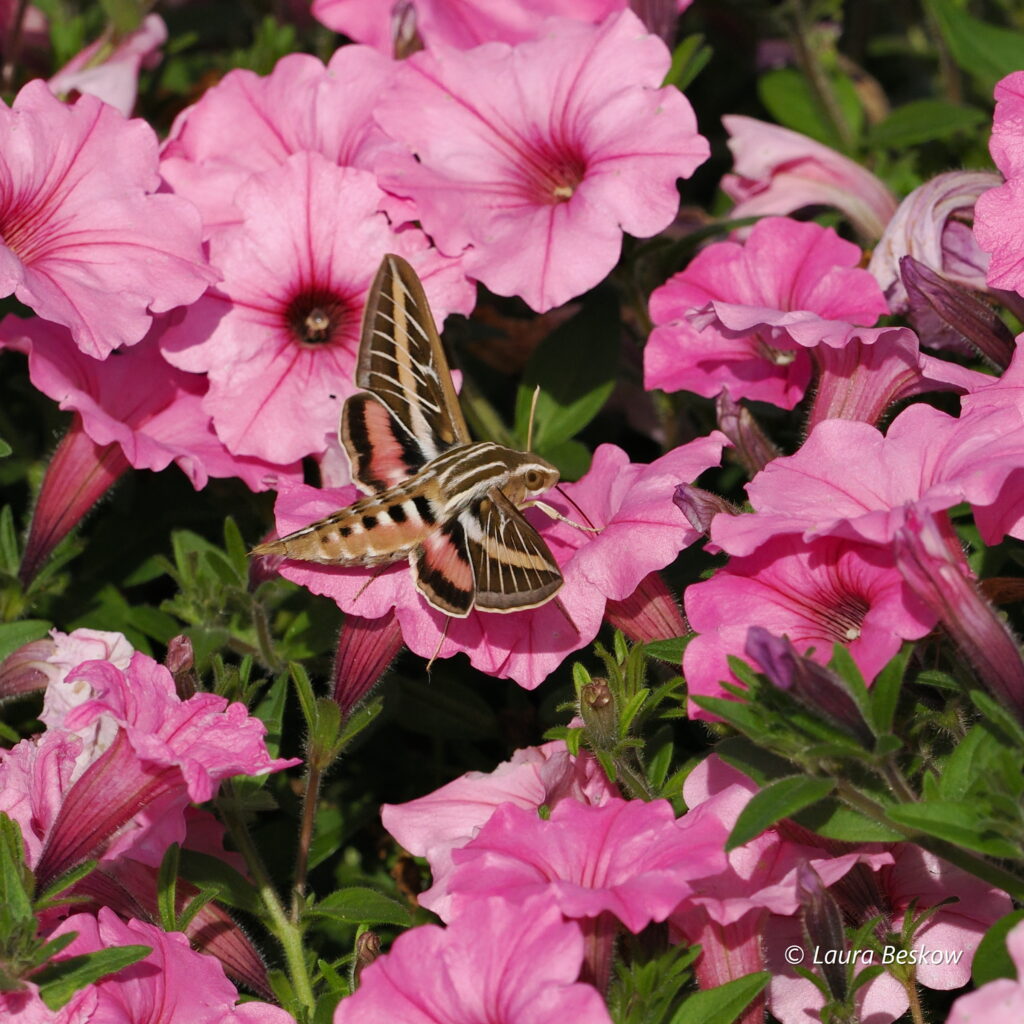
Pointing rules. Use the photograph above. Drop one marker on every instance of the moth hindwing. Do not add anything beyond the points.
(448, 504)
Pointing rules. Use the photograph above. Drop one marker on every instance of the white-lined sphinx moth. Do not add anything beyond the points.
(448, 504)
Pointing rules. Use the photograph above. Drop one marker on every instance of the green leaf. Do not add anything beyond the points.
(360, 905)
(986, 51)
(237, 550)
(210, 873)
(16, 917)
(5, 449)
(992, 958)
(998, 716)
(962, 766)
(576, 366)
(791, 101)
(835, 820)
(61, 979)
(885, 691)
(304, 690)
(958, 823)
(925, 121)
(166, 888)
(724, 1003)
(755, 762)
(780, 799)
(689, 59)
(16, 634)
(10, 553)
(668, 650)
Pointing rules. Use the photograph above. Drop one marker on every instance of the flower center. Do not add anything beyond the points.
(316, 317)
(552, 173)
(844, 618)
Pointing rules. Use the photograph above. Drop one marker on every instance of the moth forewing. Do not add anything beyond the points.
(447, 504)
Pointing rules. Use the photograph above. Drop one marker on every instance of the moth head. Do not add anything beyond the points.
(536, 476)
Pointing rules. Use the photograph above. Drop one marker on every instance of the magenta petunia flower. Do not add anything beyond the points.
(278, 336)
(112, 74)
(171, 983)
(639, 531)
(849, 480)
(496, 964)
(247, 124)
(459, 23)
(534, 159)
(998, 225)
(778, 171)
(818, 594)
(631, 859)
(447, 819)
(743, 317)
(86, 244)
(1000, 1001)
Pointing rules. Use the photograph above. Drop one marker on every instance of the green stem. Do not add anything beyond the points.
(972, 863)
(310, 798)
(284, 930)
(265, 640)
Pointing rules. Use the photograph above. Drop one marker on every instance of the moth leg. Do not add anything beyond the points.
(440, 643)
(554, 514)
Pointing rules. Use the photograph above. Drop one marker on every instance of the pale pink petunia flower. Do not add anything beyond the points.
(86, 242)
(171, 983)
(459, 23)
(445, 820)
(278, 337)
(496, 964)
(166, 753)
(1000, 1001)
(744, 317)
(111, 72)
(778, 171)
(849, 480)
(817, 593)
(247, 124)
(998, 225)
(639, 530)
(534, 159)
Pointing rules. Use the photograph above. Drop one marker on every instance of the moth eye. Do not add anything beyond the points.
(534, 479)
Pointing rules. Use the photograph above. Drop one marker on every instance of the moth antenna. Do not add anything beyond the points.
(533, 412)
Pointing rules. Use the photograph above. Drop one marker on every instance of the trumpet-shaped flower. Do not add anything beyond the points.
(247, 124)
(463, 24)
(86, 243)
(818, 594)
(278, 337)
(778, 171)
(496, 964)
(534, 159)
(742, 317)
(638, 530)
(1000, 1001)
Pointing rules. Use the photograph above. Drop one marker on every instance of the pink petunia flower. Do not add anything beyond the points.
(278, 336)
(818, 594)
(447, 819)
(165, 754)
(132, 410)
(247, 124)
(778, 171)
(849, 480)
(85, 242)
(495, 964)
(462, 23)
(1000, 1001)
(639, 530)
(742, 317)
(111, 72)
(998, 226)
(534, 159)
(172, 983)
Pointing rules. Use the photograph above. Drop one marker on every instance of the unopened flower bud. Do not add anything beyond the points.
(700, 507)
(823, 925)
(751, 444)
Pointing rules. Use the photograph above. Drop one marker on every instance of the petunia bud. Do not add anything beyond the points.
(180, 660)
(366, 647)
(650, 613)
(79, 474)
(753, 448)
(943, 311)
(700, 506)
(823, 925)
(815, 686)
(931, 562)
(26, 669)
(368, 948)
